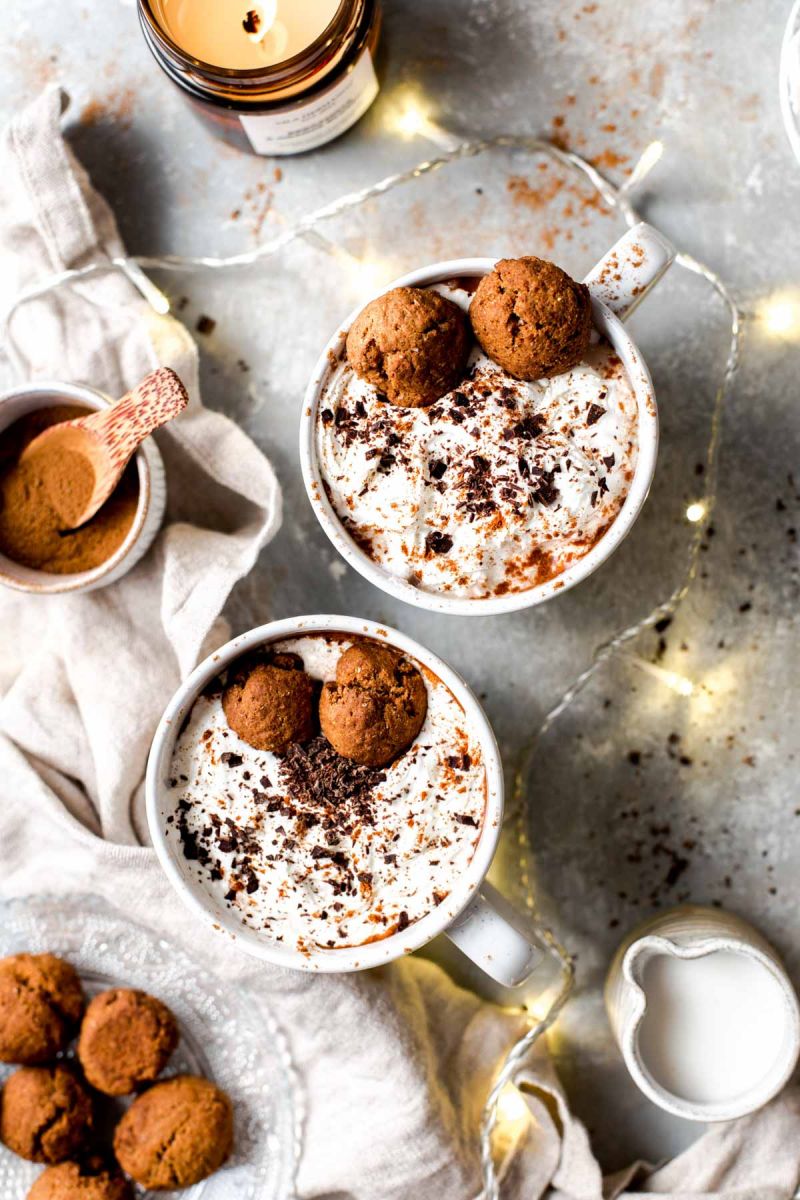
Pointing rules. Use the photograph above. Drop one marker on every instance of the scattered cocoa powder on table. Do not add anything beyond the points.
(30, 527)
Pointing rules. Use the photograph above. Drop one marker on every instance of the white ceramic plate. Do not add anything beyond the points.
(226, 1034)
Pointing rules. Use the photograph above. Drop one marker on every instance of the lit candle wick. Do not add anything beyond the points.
(259, 21)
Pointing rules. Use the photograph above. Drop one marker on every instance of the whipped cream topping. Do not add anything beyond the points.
(317, 852)
(498, 486)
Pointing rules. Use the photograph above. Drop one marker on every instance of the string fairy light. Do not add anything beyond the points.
(416, 122)
(366, 274)
(307, 226)
(649, 158)
(409, 115)
(779, 315)
(513, 1120)
(511, 1107)
(153, 295)
(676, 682)
(619, 200)
(410, 120)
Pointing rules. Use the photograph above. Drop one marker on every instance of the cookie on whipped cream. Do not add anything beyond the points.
(411, 344)
(270, 703)
(531, 318)
(376, 706)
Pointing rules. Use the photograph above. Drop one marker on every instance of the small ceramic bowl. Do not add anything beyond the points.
(149, 512)
(692, 932)
(617, 285)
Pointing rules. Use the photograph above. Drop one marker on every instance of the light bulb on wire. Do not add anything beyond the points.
(513, 1114)
(410, 116)
(779, 315)
(680, 684)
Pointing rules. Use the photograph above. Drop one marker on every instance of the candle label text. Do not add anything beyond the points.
(306, 126)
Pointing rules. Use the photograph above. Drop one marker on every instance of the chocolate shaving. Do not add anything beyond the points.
(544, 490)
(325, 788)
(438, 543)
(525, 430)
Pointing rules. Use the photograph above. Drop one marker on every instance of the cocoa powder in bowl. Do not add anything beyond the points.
(31, 532)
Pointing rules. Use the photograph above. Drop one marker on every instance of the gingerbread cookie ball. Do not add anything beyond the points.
(126, 1039)
(531, 318)
(176, 1134)
(41, 1001)
(376, 707)
(45, 1114)
(270, 703)
(411, 344)
(89, 1180)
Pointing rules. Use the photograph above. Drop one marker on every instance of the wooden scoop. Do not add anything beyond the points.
(81, 462)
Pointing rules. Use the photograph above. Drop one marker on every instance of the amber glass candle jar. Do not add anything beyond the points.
(274, 77)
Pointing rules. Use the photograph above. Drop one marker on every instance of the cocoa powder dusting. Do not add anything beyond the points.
(31, 530)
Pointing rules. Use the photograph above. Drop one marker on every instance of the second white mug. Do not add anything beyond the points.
(506, 949)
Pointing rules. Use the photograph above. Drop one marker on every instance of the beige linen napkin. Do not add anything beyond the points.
(84, 670)
(395, 1063)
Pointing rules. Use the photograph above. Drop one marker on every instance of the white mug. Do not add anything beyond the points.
(506, 950)
(618, 283)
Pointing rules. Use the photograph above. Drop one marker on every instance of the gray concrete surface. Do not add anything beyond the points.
(623, 817)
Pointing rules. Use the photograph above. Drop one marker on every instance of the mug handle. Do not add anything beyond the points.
(494, 936)
(632, 266)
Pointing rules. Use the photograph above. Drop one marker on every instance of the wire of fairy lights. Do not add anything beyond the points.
(698, 514)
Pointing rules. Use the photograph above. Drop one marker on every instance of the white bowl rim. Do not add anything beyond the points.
(53, 392)
(606, 324)
(724, 1110)
(344, 959)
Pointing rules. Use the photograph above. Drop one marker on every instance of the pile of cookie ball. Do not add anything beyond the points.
(176, 1131)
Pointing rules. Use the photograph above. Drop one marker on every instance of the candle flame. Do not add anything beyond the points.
(259, 20)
